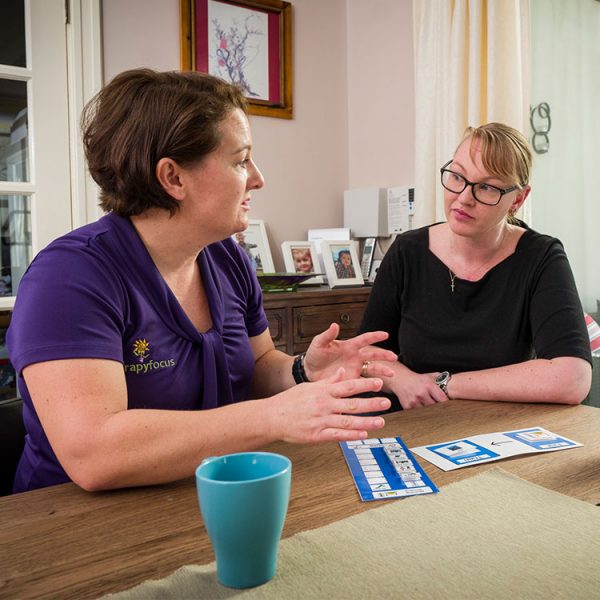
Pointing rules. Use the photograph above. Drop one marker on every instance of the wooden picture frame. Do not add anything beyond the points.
(248, 42)
(291, 256)
(255, 243)
(342, 265)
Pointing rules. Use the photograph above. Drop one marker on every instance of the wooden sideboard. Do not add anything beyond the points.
(296, 317)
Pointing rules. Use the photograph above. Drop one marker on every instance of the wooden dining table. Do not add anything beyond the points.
(63, 542)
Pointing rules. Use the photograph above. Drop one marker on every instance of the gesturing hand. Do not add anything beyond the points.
(326, 411)
(326, 355)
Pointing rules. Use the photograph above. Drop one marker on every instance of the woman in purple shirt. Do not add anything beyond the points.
(140, 340)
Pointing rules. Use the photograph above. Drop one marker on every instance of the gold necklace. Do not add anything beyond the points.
(453, 275)
(452, 278)
(481, 266)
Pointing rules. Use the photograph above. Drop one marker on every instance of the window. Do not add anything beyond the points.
(45, 48)
(43, 53)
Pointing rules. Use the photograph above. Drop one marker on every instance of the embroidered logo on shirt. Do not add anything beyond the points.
(141, 351)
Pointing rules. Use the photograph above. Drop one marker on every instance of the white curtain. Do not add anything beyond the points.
(565, 73)
(470, 68)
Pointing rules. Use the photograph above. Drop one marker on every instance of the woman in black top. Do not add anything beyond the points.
(481, 307)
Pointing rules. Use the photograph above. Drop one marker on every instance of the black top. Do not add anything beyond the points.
(525, 307)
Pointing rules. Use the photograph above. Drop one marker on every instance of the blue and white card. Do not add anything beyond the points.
(493, 446)
(384, 468)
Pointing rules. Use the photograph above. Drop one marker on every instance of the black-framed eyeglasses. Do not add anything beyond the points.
(484, 193)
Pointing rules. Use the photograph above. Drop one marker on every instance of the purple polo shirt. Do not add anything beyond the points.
(96, 293)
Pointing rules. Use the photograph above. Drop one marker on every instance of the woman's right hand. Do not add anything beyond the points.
(326, 410)
(416, 389)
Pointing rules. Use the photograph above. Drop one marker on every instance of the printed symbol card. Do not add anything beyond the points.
(493, 446)
(385, 468)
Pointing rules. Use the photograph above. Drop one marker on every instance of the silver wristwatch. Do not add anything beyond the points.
(442, 381)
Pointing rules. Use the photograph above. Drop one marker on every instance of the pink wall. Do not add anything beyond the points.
(380, 93)
(140, 33)
(353, 103)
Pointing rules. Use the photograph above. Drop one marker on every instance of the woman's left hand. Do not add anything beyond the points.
(326, 355)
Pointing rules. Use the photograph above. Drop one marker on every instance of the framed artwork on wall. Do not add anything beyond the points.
(246, 42)
(255, 243)
(341, 262)
(302, 257)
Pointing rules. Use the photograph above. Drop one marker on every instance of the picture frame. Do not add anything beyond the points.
(247, 42)
(336, 233)
(342, 266)
(302, 257)
(255, 243)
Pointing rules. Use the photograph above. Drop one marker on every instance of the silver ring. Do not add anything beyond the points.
(364, 369)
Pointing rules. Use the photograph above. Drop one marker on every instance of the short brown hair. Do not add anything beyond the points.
(142, 116)
(505, 152)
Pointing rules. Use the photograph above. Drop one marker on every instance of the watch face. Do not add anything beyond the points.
(442, 378)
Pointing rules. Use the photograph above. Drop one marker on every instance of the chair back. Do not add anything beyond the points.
(12, 441)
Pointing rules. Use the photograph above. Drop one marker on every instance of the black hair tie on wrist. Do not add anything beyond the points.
(298, 372)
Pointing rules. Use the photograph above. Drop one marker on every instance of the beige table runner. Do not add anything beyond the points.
(491, 536)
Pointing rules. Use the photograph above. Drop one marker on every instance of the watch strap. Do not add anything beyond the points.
(444, 388)
(298, 372)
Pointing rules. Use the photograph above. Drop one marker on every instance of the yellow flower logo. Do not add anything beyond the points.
(141, 348)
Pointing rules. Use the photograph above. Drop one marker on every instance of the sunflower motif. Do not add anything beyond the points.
(141, 349)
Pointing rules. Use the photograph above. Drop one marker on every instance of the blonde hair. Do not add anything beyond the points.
(505, 152)
(301, 252)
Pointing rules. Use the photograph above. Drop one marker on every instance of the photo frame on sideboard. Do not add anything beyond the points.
(255, 243)
(247, 42)
(342, 265)
(302, 257)
(336, 233)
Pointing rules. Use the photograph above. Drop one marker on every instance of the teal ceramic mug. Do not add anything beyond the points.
(243, 501)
